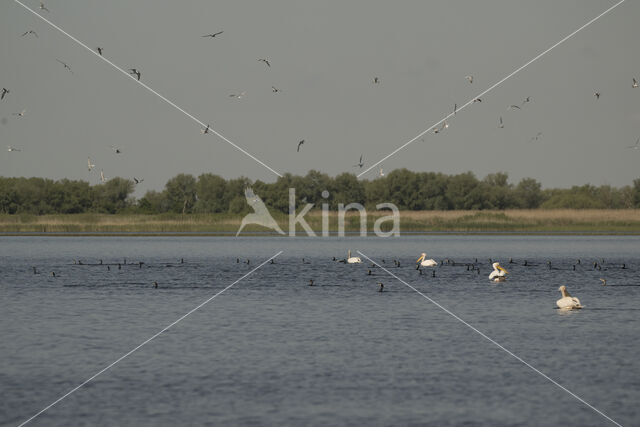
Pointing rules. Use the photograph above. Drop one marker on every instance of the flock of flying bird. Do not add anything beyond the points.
(441, 127)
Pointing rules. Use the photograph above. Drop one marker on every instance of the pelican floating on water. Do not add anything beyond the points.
(498, 274)
(353, 259)
(426, 262)
(567, 302)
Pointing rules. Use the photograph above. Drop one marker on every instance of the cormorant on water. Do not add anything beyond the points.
(155, 285)
(310, 282)
(380, 287)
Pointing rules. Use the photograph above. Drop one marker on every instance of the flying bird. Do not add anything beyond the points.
(205, 130)
(266, 61)
(514, 107)
(5, 91)
(360, 163)
(299, 144)
(238, 96)
(636, 146)
(501, 124)
(135, 72)
(90, 165)
(21, 113)
(469, 78)
(214, 34)
(380, 173)
(116, 149)
(527, 99)
(455, 109)
(596, 94)
(65, 65)
(275, 89)
(102, 178)
(635, 83)
(43, 7)
(137, 181)
(376, 80)
(477, 100)
(536, 138)
(11, 148)
(99, 49)
(444, 126)
(29, 32)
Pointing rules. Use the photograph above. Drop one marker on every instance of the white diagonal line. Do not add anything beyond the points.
(500, 346)
(142, 344)
(165, 99)
(504, 79)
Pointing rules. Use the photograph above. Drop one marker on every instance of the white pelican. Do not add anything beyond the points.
(102, 178)
(567, 301)
(353, 259)
(90, 165)
(426, 262)
(498, 274)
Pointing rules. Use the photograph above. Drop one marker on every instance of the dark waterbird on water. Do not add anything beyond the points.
(380, 287)
(310, 282)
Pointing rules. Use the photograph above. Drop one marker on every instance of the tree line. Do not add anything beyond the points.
(209, 193)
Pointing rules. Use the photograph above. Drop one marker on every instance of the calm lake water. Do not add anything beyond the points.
(272, 350)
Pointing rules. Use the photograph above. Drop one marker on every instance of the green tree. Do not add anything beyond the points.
(181, 193)
(528, 193)
(211, 194)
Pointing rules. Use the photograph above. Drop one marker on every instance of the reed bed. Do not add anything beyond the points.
(625, 221)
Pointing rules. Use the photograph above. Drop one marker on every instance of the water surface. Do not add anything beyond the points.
(272, 350)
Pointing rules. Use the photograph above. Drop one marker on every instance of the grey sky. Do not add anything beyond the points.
(324, 56)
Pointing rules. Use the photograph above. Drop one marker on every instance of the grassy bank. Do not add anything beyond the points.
(519, 221)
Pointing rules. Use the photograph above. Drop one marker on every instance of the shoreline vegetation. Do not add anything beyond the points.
(535, 221)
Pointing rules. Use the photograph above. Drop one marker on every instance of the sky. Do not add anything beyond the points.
(324, 56)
